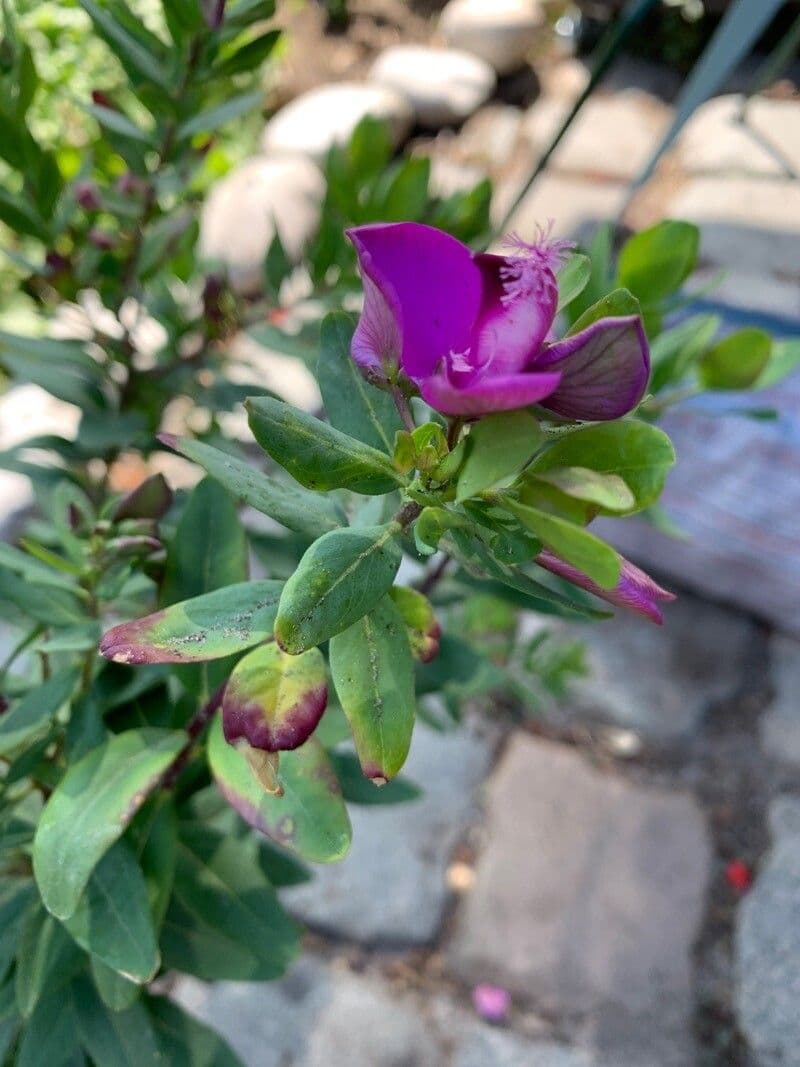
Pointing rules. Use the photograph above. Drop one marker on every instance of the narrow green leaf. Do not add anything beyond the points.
(498, 447)
(353, 405)
(90, 808)
(317, 455)
(116, 991)
(572, 279)
(737, 361)
(356, 789)
(112, 119)
(373, 671)
(248, 57)
(30, 719)
(608, 491)
(225, 921)
(617, 304)
(113, 1039)
(635, 451)
(309, 819)
(51, 1035)
(572, 543)
(206, 627)
(112, 920)
(184, 1041)
(45, 950)
(17, 895)
(655, 262)
(341, 577)
(296, 509)
(674, 351)
(131, 52)
(212, 117)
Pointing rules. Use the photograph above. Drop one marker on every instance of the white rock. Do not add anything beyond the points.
(444, 85)
(327, 116)
(239, 218)
(501, 32)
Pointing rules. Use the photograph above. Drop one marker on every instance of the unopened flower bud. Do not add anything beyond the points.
(87, 196)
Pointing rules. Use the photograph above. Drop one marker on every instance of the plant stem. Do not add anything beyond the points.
(401, 402)
(194, 728)
(408, 513)
(429, 581)
(453, 430)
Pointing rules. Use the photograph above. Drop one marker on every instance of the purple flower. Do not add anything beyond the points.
(471, 331)
(635, 590)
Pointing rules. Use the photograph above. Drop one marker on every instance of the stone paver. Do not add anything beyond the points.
(780, 725)
(744, 220)
(391, 887)
(612, 138)
(715, 141)
(588, 898)
(659, 680)
(768, 946)
(576, 205)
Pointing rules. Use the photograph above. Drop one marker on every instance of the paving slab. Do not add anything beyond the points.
(768, 946)
(717, 140)
(576, 205)
(587, 899)
(780, 726)
(744, 220)
(391, 887)
(660, 680)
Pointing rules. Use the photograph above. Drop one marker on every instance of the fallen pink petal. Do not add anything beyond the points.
(491, 1002)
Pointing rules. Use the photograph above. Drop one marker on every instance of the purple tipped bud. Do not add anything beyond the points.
(102, 239)
(150, 500)
(213, 13)
(101, 99)
(87, 196)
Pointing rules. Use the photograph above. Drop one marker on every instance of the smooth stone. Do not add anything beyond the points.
(391, 887)
(321, 118)
(443, 85)
(768, 946)
(240, 216)
(716, 141)
(588, 898)
(500, 32)
(660, 680)
(745, 220)
(780, 726)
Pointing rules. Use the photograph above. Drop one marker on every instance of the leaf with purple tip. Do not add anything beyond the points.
(206, 627)
(273, 700)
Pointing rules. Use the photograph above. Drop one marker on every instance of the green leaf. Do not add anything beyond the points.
(116, 991)
(341, 577)
(112, 920)
(309, 819)
(353, 405)
(655, 263)
(618, 304)
(9, 1020)
(112, 119)
(498, 447)
(406, 195)
(373, 671)
(784, 360)
(357, 789)
(51, 1035)
(296, 509)
(274, 700)
(421, 624)
(30, 720)
(674, 351)
(44, 952)
(220, 114)
(90, 808)
(18, 214)
(248, 57)
(317, 455)
(572, 279)
(113, 1039)
(184, 1041)
(570, 542)
(17, 894)
(133, 55)
(206, 627)
(737, 361)
(608, 491)
(224, 920)
(640, 454)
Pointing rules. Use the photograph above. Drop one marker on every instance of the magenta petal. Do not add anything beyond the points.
(430, 286)
(605, 369)
(635, 590)
(504, 393)
(377, 343)
(510, 330)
